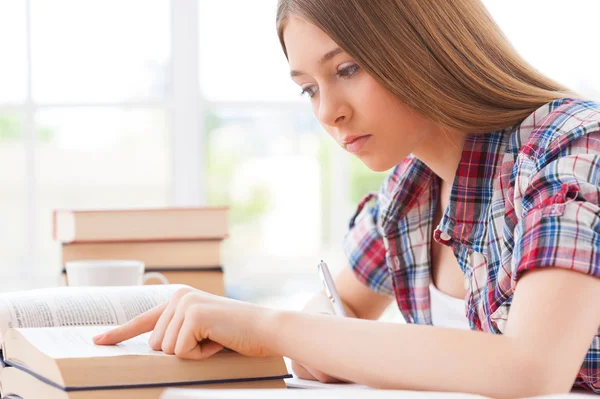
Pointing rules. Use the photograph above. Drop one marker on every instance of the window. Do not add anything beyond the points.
(99, 50)
(111, 103)
(556, 37)
(83, 120)
(240, 55)
(14, 205)
(266, 156)
(13, 54)
(120, 161)
(265, 163)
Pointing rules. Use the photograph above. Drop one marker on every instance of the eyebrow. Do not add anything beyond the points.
(327, 57)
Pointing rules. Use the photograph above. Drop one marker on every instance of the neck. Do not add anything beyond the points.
(441, 151)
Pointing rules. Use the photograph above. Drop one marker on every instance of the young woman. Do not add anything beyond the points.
(486, 233)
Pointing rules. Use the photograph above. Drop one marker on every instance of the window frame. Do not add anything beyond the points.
(185, 109)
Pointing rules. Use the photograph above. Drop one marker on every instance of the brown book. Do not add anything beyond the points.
(65, 358)
(159, 224)
(211, 281)
(208, 281)
(155, 254)
(17, 382)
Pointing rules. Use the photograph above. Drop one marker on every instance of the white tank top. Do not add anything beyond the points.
(447, 311)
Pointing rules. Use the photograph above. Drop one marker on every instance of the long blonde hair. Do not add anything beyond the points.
(447, 59)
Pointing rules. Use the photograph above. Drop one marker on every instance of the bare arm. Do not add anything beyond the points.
(553, 319)
(359, 302)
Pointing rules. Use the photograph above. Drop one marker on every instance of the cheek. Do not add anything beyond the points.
(381, 102)
(329, 131)
(376, 106)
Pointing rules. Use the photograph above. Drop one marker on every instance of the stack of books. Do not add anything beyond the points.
(184, 244)
(46, 349)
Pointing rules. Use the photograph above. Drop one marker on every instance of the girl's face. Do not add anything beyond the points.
(362, 116)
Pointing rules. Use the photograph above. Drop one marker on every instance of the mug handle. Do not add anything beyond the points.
(155, 275)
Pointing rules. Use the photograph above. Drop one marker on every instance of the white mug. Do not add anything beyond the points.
(109, 272)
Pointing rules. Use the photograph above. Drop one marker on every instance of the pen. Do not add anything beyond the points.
(330, 289)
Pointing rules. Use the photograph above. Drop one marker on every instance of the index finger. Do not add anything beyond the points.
(134, 327)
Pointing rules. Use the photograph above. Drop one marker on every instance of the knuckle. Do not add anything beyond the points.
(188, 299)
(194, 313)
(116, 332)
(180, 293)
(167, 347)
(180, 353)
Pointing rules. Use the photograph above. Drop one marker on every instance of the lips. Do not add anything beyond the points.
(354, 144)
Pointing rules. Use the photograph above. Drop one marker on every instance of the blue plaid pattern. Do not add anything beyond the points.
(523, 198)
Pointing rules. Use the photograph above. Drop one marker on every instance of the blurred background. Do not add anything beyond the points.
(131, 103)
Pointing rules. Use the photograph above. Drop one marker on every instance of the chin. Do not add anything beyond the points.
(377, 164)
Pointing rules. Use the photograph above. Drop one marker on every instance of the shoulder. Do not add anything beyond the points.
(557, 154)
(556, 128)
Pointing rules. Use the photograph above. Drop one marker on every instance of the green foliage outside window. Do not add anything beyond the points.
(11, 130)
(363, 180)
(220, 168)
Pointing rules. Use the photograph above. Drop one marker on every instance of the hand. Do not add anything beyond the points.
(309, 373)
(196, 325)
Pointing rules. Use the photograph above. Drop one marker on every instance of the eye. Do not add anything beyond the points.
(348, 72)
(345, 73)
(309, 90)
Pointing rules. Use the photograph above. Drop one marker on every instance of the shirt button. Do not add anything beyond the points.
(386, 245)
(445, 237)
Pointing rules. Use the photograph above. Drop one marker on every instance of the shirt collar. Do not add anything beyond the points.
(464, 219)
(470, 195)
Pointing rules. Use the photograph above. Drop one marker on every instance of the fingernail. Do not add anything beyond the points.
(99, 337)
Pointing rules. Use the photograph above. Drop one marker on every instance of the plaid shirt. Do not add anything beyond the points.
(523, 198)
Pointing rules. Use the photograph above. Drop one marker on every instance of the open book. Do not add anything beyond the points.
(79, 306)
(48, 350)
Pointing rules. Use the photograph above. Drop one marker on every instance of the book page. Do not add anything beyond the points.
(80, 306)
(76, 342)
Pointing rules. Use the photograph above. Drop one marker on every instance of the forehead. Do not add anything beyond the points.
(304, 42)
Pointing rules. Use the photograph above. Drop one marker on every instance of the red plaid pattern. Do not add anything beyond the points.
(525, 197)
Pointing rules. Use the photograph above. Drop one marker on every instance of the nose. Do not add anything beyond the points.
(333, 110)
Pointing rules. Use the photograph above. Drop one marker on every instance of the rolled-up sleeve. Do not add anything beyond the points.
(365, 249)
(560, 221)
